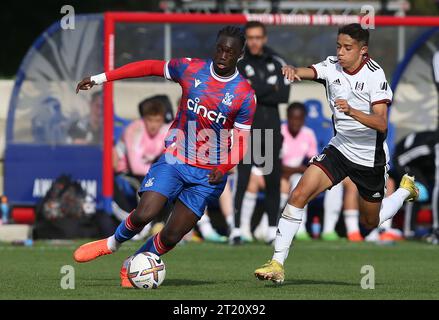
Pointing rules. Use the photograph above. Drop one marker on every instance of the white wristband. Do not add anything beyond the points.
(99, 78)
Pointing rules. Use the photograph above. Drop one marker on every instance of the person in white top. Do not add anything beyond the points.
(359, 96)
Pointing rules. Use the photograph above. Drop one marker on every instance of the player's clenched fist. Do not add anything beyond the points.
(290, 73)
(85, 84)
(343, 106)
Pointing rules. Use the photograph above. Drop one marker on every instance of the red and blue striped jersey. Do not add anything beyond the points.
(210, 107)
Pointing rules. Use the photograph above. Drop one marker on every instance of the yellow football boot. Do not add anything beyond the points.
(408, 183)
(272, 270)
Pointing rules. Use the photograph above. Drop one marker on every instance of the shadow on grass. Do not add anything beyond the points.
(169, 283)
(103, 283)
(186, 282)
(299, 282)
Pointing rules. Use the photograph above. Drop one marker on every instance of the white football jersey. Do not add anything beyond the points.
(362, 89)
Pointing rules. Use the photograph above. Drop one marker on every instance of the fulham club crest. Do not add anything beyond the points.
(359, 86)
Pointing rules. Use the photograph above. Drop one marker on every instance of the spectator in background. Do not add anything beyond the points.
(143, 140)
(162, 98)
(262, 67)
(140, 145)
(418, 154)
(88, 130)
(299, 146)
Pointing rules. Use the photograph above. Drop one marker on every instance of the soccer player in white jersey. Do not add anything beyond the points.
(359, 96)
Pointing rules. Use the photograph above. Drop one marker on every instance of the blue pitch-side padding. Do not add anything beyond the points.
(29, 169)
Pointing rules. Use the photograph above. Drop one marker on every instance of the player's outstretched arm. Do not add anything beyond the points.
(132, 70)
(292, 73)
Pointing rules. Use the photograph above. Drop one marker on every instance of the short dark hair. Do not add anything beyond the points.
(297, 106)
(255, 24)
(152, 107)
(356, 31)
(234, 32)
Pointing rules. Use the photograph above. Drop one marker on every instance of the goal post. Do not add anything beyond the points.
(292, 21)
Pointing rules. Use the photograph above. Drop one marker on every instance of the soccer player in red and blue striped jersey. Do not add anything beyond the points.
(207, 139)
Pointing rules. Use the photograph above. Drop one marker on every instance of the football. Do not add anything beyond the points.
(146, 271)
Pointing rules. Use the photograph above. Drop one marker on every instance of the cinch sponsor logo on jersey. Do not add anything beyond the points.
(195, 106)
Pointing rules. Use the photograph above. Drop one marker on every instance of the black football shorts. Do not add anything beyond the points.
(370, 181)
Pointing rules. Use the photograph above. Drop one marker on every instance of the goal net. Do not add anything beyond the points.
(43, 105)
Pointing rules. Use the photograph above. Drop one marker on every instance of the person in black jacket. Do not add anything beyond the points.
(262, 67)
(418, 154)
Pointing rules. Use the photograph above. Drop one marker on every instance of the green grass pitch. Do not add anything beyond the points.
(314, 270)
